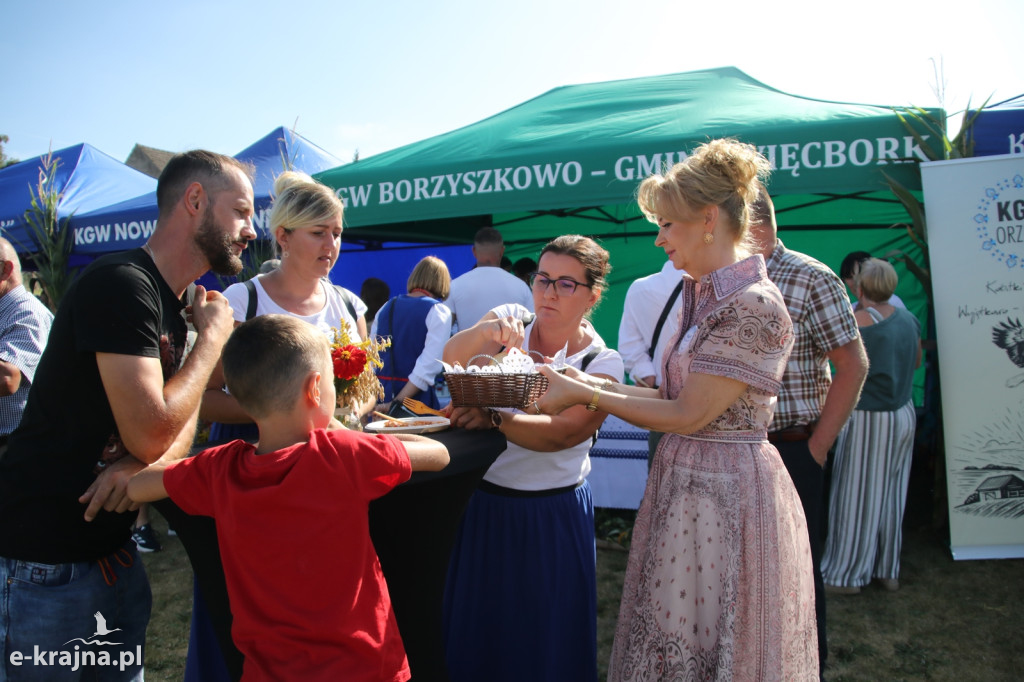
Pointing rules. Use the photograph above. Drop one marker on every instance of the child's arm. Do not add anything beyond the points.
(148, 484)
(424, 453)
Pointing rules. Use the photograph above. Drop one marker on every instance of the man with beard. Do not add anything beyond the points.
(110, 396)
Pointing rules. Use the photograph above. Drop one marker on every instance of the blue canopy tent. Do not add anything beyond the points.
(280, 149)
(87, 177)
(999, 129)
(127, 224)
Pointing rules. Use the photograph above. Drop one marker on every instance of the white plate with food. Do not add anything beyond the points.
(426, 424)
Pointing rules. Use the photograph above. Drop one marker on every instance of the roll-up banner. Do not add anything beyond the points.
(975, 210)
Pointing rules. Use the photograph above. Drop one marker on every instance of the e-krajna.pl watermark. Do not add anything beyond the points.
(78, 658)
(82, 657)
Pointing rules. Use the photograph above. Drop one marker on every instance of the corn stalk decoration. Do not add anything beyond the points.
(916, 120)
(51, 236)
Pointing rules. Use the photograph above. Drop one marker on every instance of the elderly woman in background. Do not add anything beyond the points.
(521, 601)
(875, 448)
(419, 325)
(306, 223)
(719, 583)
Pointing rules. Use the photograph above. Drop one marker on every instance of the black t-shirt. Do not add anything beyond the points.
(120, 304)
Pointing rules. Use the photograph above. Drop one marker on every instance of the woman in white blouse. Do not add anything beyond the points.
(306, 223)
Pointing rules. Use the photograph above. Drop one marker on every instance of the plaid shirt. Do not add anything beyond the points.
(822, 321)
(24, 327)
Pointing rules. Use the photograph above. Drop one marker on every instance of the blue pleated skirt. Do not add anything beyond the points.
(521, 598)
(222, 433)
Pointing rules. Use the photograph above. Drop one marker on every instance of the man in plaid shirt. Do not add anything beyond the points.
(24, 327)
(813, 404)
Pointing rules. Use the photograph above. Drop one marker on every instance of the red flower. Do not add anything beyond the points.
(349, 362)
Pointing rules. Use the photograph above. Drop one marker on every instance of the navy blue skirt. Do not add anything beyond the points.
(222, 433)
(521, 598)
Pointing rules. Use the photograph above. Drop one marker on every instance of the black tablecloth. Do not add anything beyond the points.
(413, 530)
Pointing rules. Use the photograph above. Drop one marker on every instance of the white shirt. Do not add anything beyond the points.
(524, 469)
(329, 316)
(642, 307)
(428, 364)
(475, 293)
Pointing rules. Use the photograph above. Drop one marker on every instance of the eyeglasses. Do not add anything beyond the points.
(564, 286)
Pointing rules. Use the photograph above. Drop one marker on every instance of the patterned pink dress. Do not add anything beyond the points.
(719, 583)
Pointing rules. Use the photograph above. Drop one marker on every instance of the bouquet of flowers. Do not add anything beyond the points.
(355, 379)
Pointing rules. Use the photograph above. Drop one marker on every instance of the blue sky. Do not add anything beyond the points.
(372, 76)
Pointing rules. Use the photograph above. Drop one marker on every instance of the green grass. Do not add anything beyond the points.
(951, 621)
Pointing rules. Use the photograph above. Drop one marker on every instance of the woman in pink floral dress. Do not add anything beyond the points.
(719, 583)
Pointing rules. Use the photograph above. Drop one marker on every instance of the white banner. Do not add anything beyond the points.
(975, 210)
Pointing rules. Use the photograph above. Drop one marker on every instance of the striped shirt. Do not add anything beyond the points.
(822, 321)
(24, 327)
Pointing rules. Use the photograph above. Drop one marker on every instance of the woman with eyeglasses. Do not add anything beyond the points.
(719, 584)
(521, 600)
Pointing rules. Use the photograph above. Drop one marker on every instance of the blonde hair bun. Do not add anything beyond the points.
(737, 164)
(726, 173)
(290, 179)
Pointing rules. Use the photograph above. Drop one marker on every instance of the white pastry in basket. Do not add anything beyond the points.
(514, 361)
(517, 362)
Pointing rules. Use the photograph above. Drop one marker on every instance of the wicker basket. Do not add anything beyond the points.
(477, 389)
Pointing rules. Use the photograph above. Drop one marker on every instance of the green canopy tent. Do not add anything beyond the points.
(569, 161)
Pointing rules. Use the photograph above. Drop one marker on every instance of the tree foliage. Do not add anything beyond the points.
(5, 160)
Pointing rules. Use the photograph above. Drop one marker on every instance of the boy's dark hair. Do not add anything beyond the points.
(198, 165)
(267, 360)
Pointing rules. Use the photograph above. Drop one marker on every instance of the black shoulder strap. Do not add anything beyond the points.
(664, 316)
(250, 309)
(589, 357)
(346, 296)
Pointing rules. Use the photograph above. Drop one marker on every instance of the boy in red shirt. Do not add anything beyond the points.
(307, 593)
